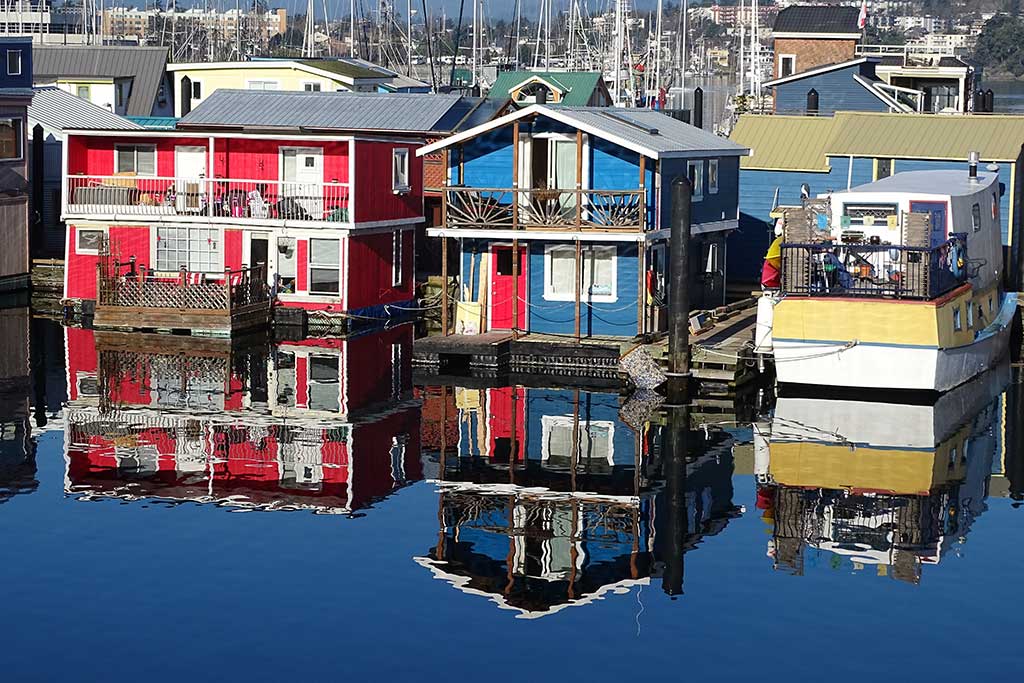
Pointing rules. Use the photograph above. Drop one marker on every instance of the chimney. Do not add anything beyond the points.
(972, 165)
(541, 97)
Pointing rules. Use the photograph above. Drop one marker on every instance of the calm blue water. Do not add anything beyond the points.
(114, 567)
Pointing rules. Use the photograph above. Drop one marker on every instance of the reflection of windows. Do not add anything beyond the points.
(88, 385)
(285, 374)
(398, 444)
(10, 138)
(324, 266)
(976, 217)
(713, 176)
(286, 263)
(396, 258)
(196, 248)
(695, 172)
(89, 241)
(137, 159)
(598, 271)
(324, 383)
(396, 371)
(400, 170)
(595, 446)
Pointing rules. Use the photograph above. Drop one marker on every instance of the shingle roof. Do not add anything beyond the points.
(817, 19)
(147, 65)
(54, 108)
(871, 134)
(325, 111)
(577, 86)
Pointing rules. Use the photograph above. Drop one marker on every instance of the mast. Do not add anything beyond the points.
(408, 35)
(657, 47)
(352, 29)
(618, 51)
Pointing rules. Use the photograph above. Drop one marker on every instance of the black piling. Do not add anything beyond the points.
(673, 534)
(990, 101)
(698, 107)
(37, 235)
(678, 292)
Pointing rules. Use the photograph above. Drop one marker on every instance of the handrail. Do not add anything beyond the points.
(542, 208)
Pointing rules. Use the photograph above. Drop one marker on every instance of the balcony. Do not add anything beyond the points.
(473, 208)
(258, 202)
(215, 306)
(874, 270)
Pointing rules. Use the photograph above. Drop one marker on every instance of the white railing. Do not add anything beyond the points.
(218, 199)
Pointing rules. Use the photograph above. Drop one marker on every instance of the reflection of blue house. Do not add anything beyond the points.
(585, 193)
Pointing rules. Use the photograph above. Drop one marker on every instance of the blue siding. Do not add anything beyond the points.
(488, 160)
(617, 318)
(837, 91)
(594, 407)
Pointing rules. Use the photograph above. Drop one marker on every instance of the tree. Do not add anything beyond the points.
(999, 48)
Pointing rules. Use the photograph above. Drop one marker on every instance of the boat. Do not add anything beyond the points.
(896, 284)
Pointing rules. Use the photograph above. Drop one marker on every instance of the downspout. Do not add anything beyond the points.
(849, 174)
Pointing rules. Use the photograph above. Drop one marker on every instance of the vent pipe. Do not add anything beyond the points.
(972, 165)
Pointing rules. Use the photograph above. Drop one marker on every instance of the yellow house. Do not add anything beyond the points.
(193, 83)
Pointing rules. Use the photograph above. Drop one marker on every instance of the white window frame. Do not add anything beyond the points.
(88, 90)
(12, 53)
(192, 93)
(782, 59)
(712, 186)
(311, 383)
(263, 83)
(18, 124)
(215, 268)
(120, 149)
(548, 422)
(310, 265)
(695, 170)
(397, 258)
(551, 295)
(78, 234)
(403, 154)
(312, 86)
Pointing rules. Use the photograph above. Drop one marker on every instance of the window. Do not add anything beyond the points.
(196, 248)
(787, 65)
(396, 258)
(10, 138)
(595, 447)
(957, 322)
(14, 62)
(324, 266)
(82, 91)
(137, 159)
(713, 176)
(970, 316)
(400, 170)
(976, 217)
(695, 172)
(89, 241)
(197, 90)
(311, 87)
(324, 383)
(262, 85)
(995, 207)
(598, 266)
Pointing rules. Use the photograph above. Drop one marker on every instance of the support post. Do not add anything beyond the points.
(515, 175)
(515, 289)
(676, 445)
(579, 179)
(579, 281)
(641, 286)
(678, 293)
(444, 286)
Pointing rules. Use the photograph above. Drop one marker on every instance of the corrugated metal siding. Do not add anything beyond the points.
(147, 66)
(60, 110)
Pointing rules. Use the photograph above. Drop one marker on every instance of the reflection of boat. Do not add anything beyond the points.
(278, 429)
(893, 284)
(549, 500)
(886, 484)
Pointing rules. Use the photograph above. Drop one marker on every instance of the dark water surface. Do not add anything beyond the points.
(303, 512)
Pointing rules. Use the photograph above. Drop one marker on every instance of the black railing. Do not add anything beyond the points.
(874, 270)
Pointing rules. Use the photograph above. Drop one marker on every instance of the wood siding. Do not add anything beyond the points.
(375, 200)
(837, 91)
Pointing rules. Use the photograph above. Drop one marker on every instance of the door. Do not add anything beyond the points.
(259, 252)
(302, 170)
(937, 211)
(501, 288)
(190, 171)
(506, 415)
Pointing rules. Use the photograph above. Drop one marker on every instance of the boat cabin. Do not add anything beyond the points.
(562, 214)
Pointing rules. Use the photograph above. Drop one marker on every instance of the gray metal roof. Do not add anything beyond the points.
(60, 110)
(954, 183)
(261, 109)
(147, 66)
(649, 129)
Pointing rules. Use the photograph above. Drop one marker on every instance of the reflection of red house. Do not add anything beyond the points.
(329, 206)
(277, 431)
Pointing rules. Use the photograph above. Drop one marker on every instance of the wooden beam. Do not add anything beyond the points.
(515, 175)
(515, 289)
(579, 279)
(643, 192)
(444, 286)
(579, 178)
(641, 299)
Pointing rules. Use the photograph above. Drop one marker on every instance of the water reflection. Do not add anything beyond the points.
(550, 498)
(887, 486)
(17, 449)
(327, 425)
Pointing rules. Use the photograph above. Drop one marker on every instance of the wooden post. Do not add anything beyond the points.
(444, 190)
(444, 286)
(642, 204)
(515, 175)
(579, 279)
(515, 289)
(579, 179)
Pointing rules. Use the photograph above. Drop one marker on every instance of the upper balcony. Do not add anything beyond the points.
(556, 210)
(270, 202)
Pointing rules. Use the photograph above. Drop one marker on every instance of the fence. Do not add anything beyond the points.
(136, 288)
(874, 270)
(599, 210)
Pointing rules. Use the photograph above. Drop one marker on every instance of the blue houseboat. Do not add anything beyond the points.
(562, 218)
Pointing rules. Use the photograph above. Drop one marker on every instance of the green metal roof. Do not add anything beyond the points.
(577, 87)
(154, 122)
(803, 143)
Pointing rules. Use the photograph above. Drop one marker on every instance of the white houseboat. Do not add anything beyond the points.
(893, 284)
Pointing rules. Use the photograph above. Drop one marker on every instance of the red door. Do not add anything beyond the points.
(501, 288)
(506, 408)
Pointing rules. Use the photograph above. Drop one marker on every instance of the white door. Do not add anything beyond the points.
(302, 173)
(190, 172)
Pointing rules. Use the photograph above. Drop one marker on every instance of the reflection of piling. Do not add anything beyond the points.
(678, 294)
(1013, 465)
(676, 446)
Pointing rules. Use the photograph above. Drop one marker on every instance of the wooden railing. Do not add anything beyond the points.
(532, 209)
(220, 200)
(123, 285)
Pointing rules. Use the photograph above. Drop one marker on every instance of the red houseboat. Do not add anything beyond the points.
(316, 194)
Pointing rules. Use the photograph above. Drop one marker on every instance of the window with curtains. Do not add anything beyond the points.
(695, 172)
(324, 266)
(594, 448)
(199, 249)
(598, 273)
(400, 170)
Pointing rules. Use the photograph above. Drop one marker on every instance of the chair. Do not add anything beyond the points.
(257, 206)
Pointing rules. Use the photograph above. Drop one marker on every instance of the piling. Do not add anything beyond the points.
(698, 107)
(678, 291)
(676, 445)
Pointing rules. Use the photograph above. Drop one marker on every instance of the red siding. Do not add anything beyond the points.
(302, 264)
(232, 249)
(374, 199)
(95, 155)
(368, 366)
(82, 358)
(369, 270)
(126, 241)
(260, 159)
